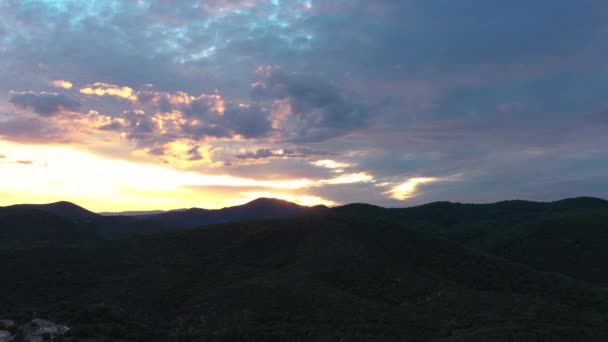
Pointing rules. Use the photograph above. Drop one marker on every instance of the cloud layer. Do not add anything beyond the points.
(392, 102)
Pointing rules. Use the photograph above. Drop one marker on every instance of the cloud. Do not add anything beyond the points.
(262, 153)
(166, 116)
(361, 177)
(219, 6)
(244, 121)
(407, 189)
(104, 89)
(33, 129)
(153, 119)
(194, 106)
(44, 104)
(247, 121)
(330, 164)
(195, 154)
(62, 84)
(317, 110)
(265, 153)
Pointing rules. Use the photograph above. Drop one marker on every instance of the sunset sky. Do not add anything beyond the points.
(159, 104)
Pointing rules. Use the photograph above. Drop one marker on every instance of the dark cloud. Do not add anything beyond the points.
(113, 126)
(157, 151)
(262, 153)
(167, 117)
(194, 154)
(319, 111)
(247, 121)
(35, 130)
(265, 153)
(203, 116)
(44, 104)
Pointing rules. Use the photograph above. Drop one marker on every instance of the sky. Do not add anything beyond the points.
(159, 104)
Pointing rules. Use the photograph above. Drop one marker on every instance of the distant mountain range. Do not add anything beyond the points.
(66, 222)
(275, 271)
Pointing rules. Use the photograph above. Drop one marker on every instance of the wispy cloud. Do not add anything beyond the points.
(407, 189)
(330, 164)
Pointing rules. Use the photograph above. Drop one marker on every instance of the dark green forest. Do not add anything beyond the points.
(508, 271)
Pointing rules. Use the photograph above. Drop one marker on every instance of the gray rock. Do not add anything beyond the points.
(38, 328)
(6, 336)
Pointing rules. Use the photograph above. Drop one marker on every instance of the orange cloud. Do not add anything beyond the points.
(62, 84)
(105, 89)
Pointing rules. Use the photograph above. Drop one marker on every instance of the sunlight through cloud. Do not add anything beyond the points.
(408, 189)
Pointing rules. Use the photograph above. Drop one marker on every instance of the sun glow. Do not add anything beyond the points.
(47, 173)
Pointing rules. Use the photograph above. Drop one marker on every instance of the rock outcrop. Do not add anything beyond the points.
(6, 336)
(38, 330)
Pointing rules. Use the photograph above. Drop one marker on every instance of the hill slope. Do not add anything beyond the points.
(24, 226)
(572, 243)
(76, 218)
(326, 277)
(567, 236)
(66, 210)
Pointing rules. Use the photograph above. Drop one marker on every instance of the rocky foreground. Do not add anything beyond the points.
(37, 330)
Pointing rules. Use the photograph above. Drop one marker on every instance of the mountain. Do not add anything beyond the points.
(330, 277)
(261, 208)
(567, 236)
(65, 210)
(29, 226)
(133, 213)
(84, 224)
(33, 224)
(570, 243)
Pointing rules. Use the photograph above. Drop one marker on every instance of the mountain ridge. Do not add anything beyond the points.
(579, 199)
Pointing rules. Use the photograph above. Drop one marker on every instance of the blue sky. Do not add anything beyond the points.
(395, 103)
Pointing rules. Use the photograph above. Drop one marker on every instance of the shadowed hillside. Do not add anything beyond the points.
(27, 226)
(66, 210)
(567, 236)
(84, 224)
(329, 277)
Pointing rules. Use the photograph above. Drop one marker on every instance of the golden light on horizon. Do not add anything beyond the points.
(48, 173)
(299, 199)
